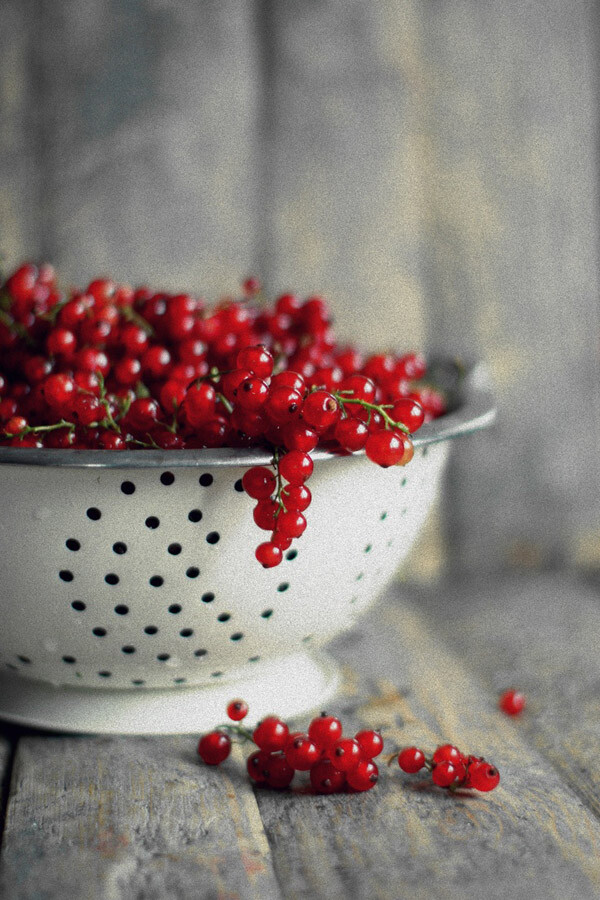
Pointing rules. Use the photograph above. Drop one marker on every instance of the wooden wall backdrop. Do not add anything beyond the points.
(431, 167)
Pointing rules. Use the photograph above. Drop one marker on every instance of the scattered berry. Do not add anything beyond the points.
(237, 710)
(512, 702)
(214, 747)
(411, 760)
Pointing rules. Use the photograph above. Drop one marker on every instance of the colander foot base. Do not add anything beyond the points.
(288, 686)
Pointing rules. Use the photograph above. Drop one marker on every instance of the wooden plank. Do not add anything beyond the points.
(541, 635)
(134, 817)
(532, 837)
(342, 191)
(147, 139)
(5, 767)
(510, 260)
(19, 177)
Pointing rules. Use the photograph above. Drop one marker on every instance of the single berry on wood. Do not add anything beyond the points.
(271, 734)
(512, 702)
(364, 776)
(214, 747)
(411, 759)
(256, 765)
(448, 753)
(482, 776)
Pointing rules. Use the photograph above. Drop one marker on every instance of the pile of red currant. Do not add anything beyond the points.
(450, 768)
(112, 367)
(335, 763)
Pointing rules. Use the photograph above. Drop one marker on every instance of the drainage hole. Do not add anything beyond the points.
(65, 575)
(267, 614)
(157, 581)
(208, 597)
(236, 636)
(194, 515)
(186, 632)
(111, 578)
(93, 513)
(99, 632)
(73, 544)
(167, 478)
(152, 522)
(69, 659)
(174, 549)
(192, 572)
(79, 605)
(213, 537)
(119, 548)
(128, 649)
(128, 487)
(223, 617)
(175, 608)
(151, 629)
(121, 609)
(206, 480)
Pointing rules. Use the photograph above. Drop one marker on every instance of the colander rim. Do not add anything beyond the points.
(475, 409)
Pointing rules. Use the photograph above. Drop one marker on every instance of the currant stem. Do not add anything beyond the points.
(373, 407)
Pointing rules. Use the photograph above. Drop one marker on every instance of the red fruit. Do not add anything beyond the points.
(447, 753)
(61, 342)
(279, 773)
(259, 483)
(326, 779)
(21, 283)
(256, 766)
(482, 776)
(101, 289)
(345, 754)
(214, 747)
(237, 710)
(143, 414)
(298, 437)
(271, 734)
(251, 286)
(265, 514)
(364, 776)
(199, 404)
(110, 440)
(90, 360)
(351, 434)
(371, 743)
(15, 425)
(281, 540)
(156, 362)
(386, 448)
(59, 392)
(444, 774)
(283, 404)
(288, 304)
(295, 466)
(325, 731)
(296, 497)
(171, 395)
(409, 413)
(87, 409)
(512, 702)
(291, 523)
(411, 759)
(289, 379)
(257, 360)
(412, 366)
(300, 752)
(320, 411)
(251, 393)
(127, 371)
(231, 381)
(268, 554)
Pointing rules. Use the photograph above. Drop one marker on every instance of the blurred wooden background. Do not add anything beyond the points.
(431, 167)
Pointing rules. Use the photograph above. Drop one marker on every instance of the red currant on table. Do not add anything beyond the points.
(512, 702)
(325, 730)
(301, 752)
(214, 747)
(411, 759)
(444, 773)
(271, 734)
(364, 776)
(345, 754)
(326, 779)
(371, 743)
(482, 776)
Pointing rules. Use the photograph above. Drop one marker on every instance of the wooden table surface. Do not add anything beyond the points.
(121, 818)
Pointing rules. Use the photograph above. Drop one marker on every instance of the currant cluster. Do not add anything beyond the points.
(450, 768)
(335, 763)
(112, 367)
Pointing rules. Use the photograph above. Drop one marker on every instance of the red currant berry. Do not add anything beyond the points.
(15, 425)
(214, 747)
(301, 753)
(512, 702)
(444, 774)
(199, 404)
(298, 437)
(345, 754)
(409, 413)
(288, 304)
(21, 283)
(257, 360)
(127, 371)
(371, 743)
(447, 753)
(351, 434)
(320, 411)
(281, 540)
(357, 387)
(265, 514)
(256, 766)
(291, 524)
(385, 448)
(271, 734)
(296, 497)
(325, 730)
(412, 366)
(279, 773)
(251, 393)
(259, 483)
(326, 779)
(61, 342)
(143, 413)
(296, 466)
(482, 776)
(237, 710)
(251, 286)
(59, 391)
(364, 776)
(283, 404)
(268, 554)
(411, 760)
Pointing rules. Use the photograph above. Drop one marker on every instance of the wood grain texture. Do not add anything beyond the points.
(543, 636)
(5, 768)
(342, 197)
(510, 264)
(116, 819)
(147, 140)
(532, 837)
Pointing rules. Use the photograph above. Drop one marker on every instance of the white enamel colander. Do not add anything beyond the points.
(132, 600)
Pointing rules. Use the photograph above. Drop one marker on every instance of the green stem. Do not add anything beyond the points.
(373, 407)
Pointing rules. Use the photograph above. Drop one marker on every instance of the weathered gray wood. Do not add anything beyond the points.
(19, 174)
(531, 837)
(5, 760)
(116, 819)
(510, 264)
(543, 636)
(342, 198)
(146, 137)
